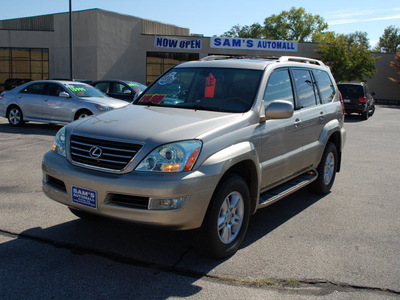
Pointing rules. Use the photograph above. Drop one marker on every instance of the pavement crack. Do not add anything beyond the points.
(278, 283)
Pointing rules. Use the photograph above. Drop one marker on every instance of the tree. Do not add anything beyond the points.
(254, 31)
(358, 37)
(348, 61)
(396, 65)
(389, 42)
(294, 25)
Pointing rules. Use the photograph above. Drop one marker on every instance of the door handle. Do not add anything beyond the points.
(297, 123)
(321, 115)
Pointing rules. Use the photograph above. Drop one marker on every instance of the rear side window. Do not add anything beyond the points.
(36, 88)
(305, 88)
(279, 87)
(325, 86)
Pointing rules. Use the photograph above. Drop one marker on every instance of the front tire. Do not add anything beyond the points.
(82, 114)
(15, 117)
(326, 170)
(227, 219)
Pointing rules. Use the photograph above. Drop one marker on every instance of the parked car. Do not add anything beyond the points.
(204, 147)
(50, 101)
(119, 89)
(12, 83)
(357, 98)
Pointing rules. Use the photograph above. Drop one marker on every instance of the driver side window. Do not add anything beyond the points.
(279, 87)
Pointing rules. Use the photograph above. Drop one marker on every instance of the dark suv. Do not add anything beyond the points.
(357, 98)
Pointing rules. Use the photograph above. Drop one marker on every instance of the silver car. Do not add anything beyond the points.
(204, 147)
(51, 101)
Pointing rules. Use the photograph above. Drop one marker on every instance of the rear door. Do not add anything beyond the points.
(30, 100)
(313, 115)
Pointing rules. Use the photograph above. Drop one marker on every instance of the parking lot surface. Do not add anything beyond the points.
(345, 245)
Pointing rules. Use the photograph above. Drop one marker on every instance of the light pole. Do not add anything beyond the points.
(70, 41)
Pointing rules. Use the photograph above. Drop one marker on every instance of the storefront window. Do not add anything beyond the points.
(159, 62)
(23, 63)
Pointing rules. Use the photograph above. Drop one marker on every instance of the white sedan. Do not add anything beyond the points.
(53, 101)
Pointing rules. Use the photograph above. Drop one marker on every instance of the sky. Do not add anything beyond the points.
(215, 17)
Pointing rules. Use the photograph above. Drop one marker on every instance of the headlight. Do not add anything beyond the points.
(103, 108)
(174, 157)
(59, 142)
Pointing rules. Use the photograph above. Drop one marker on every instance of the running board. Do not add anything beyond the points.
(287, 188)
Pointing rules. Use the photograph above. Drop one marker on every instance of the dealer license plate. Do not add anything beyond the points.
(84, 197)
(347, 100)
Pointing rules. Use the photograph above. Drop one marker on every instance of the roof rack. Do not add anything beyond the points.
(216, 57)
(301, 59)
(257, 56)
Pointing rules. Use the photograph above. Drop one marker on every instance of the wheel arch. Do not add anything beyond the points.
(81, 110)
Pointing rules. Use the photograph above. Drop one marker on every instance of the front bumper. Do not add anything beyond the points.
(59, 176)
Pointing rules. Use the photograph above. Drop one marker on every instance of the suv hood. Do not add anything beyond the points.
(153, 125)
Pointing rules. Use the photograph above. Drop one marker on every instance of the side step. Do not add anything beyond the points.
(287, 188)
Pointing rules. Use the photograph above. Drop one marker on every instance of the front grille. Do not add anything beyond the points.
(101, 153)
(130, 201)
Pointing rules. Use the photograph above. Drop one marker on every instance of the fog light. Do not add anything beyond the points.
(165, 204)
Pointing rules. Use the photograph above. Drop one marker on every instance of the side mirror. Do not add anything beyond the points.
(64, 95)
(137, 95)
(279, 109)
(127, 92)
(373, 94)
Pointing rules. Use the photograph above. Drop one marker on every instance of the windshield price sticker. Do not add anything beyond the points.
(210, 86)
(77, 89)
(152, 98)
(84, 197)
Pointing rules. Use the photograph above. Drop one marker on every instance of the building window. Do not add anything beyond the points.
(23, 63)
(159, 62)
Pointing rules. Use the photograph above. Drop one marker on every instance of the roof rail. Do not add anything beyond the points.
(302, 60)
(216, 57)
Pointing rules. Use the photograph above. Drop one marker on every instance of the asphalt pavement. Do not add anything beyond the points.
(345, 245)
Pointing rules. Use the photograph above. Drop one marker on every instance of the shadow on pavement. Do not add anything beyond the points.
(31, 129)
(117, 259)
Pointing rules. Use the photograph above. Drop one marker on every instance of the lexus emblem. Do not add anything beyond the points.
(95, 152)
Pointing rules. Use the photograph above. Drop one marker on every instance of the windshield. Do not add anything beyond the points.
(226, 90)
(84, 90)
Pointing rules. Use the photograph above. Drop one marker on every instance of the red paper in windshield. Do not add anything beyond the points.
(210, 86)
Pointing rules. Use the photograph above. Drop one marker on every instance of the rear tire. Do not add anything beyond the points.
(326, 170)
(365, 115)
(372, 110)
(225, 224)
(15, 116)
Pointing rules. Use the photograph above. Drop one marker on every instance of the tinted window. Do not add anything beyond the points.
(305, 88)
(120, 88)
(279, 87)
(54, 89)
(324, 83)
(103, 86)
(36, 88)
(351, 90)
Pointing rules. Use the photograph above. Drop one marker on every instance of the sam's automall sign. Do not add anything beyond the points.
(173, 43)
(253, 44)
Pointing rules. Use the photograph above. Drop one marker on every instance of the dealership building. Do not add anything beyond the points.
(108, 45)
